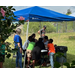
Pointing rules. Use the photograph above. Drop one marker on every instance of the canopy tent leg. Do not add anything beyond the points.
(57, 27)
(39, 25)
(26, 44)
(73, 25)
(66, 26)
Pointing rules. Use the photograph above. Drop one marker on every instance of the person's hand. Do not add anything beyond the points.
(38, 32)
(20, 50)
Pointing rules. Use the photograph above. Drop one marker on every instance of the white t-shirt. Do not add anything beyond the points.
(25, 43)
(46, 43)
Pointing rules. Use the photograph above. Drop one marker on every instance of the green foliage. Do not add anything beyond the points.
(67, 64)
(56, 64)
(68, 12)
(7, 27)
(35, 26)
(8, 55)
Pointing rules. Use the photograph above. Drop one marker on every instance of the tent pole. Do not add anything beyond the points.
(26, 44)
(66, 26)
(57, 27)
(73, 25)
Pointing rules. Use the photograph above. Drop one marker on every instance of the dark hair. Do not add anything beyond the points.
(30, 38)
(40, 39)
(33, 34)
(46, 37)
(51, 40)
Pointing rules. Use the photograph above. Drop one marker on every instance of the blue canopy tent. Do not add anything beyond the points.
(38, 14)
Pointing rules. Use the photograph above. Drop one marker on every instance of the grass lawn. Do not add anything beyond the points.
(61, 39)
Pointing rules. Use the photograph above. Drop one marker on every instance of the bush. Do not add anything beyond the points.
(35, 26)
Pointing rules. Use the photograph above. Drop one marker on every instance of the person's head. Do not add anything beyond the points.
(51, 41)
(33, 35)
(18, 31)
(30, 38)
(44, 27)
(45, 38)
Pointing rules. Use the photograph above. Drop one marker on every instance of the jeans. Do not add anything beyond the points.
(51, 59)
(19, 59)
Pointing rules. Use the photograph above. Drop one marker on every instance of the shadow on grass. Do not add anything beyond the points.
(70, 57)
(9, 63)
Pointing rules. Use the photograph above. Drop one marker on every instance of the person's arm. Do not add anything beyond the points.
(19, 47)
(18, 43)
(39, 32)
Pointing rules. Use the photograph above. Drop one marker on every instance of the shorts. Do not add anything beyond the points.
(2, 58)
(29, 53)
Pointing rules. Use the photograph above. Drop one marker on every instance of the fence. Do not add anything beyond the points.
(65, 26)
(60, 27)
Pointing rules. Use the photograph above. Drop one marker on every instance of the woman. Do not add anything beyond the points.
(18, 44)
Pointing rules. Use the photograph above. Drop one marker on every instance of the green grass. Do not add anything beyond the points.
(61, 39)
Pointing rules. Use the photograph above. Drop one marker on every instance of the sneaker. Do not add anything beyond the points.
(30, 66)
(48, 65)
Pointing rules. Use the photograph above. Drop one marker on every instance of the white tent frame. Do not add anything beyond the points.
(26, 44)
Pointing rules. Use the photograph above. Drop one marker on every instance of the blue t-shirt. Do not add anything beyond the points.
(17, 39)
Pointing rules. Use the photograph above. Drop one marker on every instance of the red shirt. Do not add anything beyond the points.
(51, 48)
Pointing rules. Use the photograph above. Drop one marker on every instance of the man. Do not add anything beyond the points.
(18, 43)
(42, 32)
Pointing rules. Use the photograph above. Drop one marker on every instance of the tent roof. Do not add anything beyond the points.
(41, 14)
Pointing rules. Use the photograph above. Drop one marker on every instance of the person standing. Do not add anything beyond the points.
(42, 32)
(51, 49)
(18, 44)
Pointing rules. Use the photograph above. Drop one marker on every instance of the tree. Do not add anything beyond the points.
(68, 12)
(6, 26)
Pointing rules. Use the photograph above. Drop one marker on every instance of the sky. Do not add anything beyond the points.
(60, 9)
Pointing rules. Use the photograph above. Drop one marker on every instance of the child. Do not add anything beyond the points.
(2, 54)
(29, 50)
(51, 49)
(24, 47)
(45, 40)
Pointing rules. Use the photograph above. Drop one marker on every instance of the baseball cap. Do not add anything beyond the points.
(44, 26)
